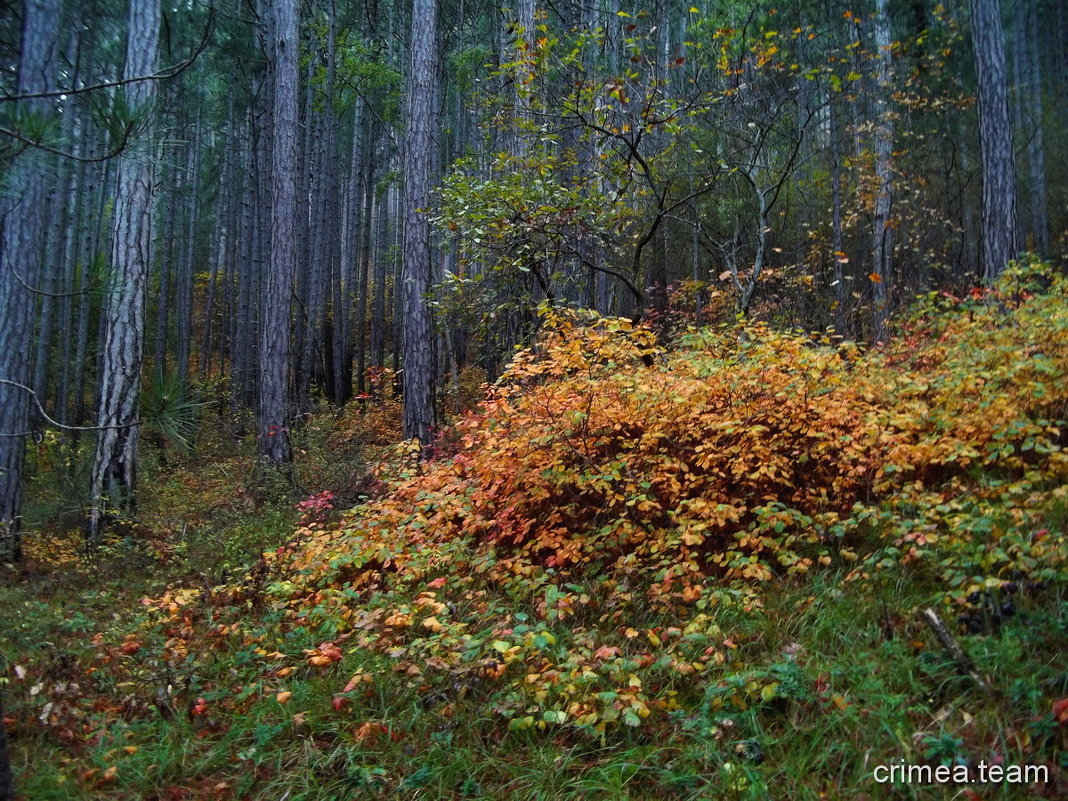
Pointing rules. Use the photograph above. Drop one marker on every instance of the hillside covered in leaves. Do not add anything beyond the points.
(677, 565)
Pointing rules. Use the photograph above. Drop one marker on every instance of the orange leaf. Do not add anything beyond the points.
(1060, 710)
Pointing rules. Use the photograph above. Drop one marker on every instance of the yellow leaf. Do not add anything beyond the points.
(283, 696)
(433, 624)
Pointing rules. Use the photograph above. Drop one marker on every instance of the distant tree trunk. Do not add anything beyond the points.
(346, 334)
(363, 267)
(1036, 145)
(841, 293)
(183, 295)
(397, 297)
(114, 473)
(91, 255)
(882, 233)
(246, 320)
(167, 232)
(274, 443)
(309, 243)
(416, 272)
(378, 315)
(334, 329)
(219, 261)
(998, 243)
(166, 260)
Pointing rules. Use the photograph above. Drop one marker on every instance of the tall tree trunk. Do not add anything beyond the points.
(219, 261)
(363, 266)
(183, 295)
(167, 237)
(882, 233)
(416, 272)
(1036, 145)
(378, 314)
(21, 230)
(841, 293)
(275, 446)
(114, 474)
(998, 244)
(92, 254)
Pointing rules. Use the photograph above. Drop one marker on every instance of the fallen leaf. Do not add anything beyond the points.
(1060, 710)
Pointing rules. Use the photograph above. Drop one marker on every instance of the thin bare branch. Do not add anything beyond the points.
(50, 420)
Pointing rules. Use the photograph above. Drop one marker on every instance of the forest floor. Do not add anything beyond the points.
(703, 578)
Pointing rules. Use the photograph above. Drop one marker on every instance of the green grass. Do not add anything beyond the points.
(861, 683)
(793, 687)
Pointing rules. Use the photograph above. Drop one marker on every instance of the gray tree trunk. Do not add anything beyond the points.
(882, 233)
(416, 271)
(378, 314)
(998, 242)
(183, 295)
(274, 410)
(1036, 144)
(21, 230)
(363, 266)
(114, 474)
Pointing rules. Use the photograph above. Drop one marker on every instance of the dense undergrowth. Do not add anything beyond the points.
(637, 570)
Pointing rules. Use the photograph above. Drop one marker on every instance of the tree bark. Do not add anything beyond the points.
(416, 271)
(274, 404)
(998, 243)
(21, 229)
(114, 473)
(183, 294)
(882, 233)
(1036, 145)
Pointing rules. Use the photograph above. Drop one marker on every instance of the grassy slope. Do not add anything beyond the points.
(697, 579)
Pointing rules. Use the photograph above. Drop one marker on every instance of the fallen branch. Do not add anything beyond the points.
(951, 647)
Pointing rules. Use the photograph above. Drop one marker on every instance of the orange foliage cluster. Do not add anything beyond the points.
(597, 448)
(605, 474)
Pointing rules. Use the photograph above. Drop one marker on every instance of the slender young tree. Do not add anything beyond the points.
(416, 269)
(114, 473)
(882, 233)
(998, 243)
(275, 446)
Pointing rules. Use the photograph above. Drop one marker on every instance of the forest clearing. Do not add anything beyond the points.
(445, 400)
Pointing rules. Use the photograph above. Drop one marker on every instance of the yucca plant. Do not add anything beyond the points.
(170, 410)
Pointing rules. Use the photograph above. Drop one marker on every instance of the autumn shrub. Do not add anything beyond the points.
(598, 451)
(594, 531)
